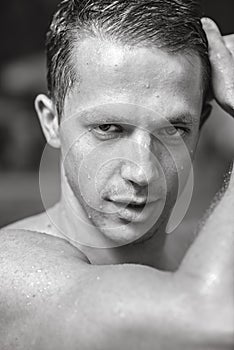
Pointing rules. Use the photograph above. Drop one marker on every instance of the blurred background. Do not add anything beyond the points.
(23, 25)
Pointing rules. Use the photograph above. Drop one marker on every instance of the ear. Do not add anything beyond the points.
(206, 111)
(49, 120)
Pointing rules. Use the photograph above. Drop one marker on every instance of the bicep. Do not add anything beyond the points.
(115, 307)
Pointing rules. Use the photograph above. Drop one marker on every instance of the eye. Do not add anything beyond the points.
(107, 128)
(107, 131)
(174, 131)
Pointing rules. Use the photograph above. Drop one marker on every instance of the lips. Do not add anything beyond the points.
(137, 202)
(133, 210)
(129, 203)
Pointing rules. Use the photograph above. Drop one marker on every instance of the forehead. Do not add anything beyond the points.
(109, 72)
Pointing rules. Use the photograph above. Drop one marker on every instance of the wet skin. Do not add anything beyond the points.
(121, 102)
(64, 297)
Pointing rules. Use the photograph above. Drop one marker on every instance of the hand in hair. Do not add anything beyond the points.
(221, 53)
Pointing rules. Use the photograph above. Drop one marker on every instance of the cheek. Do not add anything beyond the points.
(177, 165)
(71, 163)
(90, 169)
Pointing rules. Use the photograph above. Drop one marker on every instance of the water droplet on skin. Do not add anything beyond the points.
(89, 129)
(39, 271)
(90, 217)
(68, 276)
(147, 85)
(89, 177)
(98, 278)
(101, 207)
(119, 311)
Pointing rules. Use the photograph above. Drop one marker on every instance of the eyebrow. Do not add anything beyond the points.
(103, 117)
(91, 116)
(183, 118)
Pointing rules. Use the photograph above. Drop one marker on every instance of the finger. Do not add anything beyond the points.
(219, 53)
(222, 63)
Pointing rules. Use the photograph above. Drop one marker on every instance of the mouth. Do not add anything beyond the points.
(133, 202)
(136, 206)
(130, 203)
(133, 210)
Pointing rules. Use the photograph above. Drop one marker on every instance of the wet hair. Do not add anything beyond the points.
(172, 25)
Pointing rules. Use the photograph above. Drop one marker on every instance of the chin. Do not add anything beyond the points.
(127, 233)
(132, 233)
(120, 237)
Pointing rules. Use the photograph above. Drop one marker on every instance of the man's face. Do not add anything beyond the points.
(127, 126)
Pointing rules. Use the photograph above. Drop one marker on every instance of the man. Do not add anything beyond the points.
(128, 86)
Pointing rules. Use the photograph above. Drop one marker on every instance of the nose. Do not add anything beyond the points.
(141, 167)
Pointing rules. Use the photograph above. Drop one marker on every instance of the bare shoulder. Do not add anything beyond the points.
(35, 250)
(37, 271)
(29, 241)
(36, 263)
